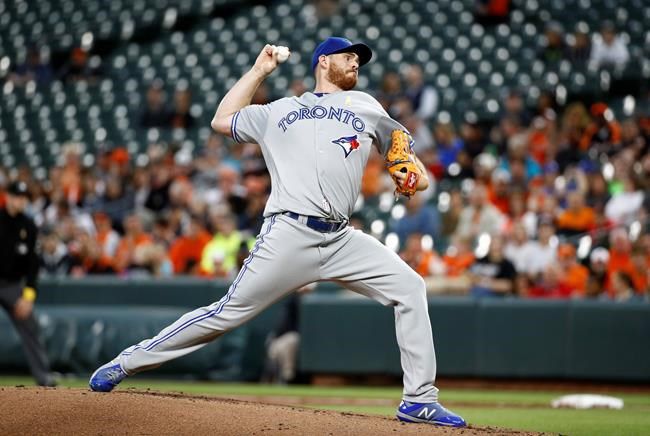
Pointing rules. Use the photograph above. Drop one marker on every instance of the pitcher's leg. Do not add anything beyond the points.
(364, 265)
(263, 279)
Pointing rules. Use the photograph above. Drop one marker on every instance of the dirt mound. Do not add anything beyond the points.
(58, 411)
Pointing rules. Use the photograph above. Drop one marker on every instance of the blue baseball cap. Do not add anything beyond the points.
(335, 44)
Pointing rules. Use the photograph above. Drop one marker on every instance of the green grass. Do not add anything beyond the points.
(526, 410)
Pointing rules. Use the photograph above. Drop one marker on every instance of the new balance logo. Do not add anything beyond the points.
(426, 413)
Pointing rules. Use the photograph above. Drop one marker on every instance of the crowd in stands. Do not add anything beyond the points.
(549, 201)
(546, 202)
(80, 65)
(605, 49)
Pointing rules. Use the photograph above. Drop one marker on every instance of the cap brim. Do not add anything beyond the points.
(363, 51)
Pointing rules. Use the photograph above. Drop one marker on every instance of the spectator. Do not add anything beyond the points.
(493, 275)
(54, 259)
(420, 217)
(542, 252)
(115, 203)
(553, 48)
(492, 12)
(106, 237)
(90, 190)
(63, 217)
(32, 69)
(464, 169)
(540, 139)
(87, 256)
(422, 137)
(624, 207)
(326, 8)
(574, 122)
(546, 106)
(180, 116)
(577, 218)
(185, 252)
(609, 50)
(620, 257)
(473, 137)
(550, 173)
(373, 182)
(134, 237)
(155, 113)
(424, 98)
(632, 139)
(161, 179)
(458, 257)
(519, 162)
(479, 216)
(141, 187)
(80, 66)
(252, 217)
(641, 271)
(598, 261)
(151, 260)
(518, 249)
(423, 261)
(219, 257)
(517, 204)
(603, 134)
(508, 127)
(597, 194)
(623, 288)
(390, 91)
(574, 275)
(579, 51)
(447, 143)
(514, 109)
(71, 173)
(163, 231)
(451, 213)
(499, 191)
(209, 157)
(550, 284)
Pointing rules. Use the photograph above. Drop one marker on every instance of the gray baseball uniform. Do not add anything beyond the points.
(316, 147)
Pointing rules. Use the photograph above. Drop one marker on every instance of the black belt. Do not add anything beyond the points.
(318, 224)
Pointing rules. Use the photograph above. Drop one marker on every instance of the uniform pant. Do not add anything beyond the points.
(29, 334)
(287, 256)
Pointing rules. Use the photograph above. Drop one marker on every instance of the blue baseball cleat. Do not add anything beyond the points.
(428, 413)
(107, 377)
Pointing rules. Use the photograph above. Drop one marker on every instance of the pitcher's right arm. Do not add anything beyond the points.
(241, 94)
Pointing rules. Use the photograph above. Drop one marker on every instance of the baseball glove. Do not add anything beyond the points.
(400, 158)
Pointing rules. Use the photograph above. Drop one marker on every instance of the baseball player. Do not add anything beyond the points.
(315, 147)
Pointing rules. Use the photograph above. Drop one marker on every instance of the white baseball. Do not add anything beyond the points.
(281, 53)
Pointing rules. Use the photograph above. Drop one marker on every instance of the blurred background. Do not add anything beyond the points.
(532, 117)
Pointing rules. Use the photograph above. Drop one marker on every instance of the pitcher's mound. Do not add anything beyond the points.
(41, 411)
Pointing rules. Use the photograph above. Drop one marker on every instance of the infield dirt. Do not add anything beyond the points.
(58, 411)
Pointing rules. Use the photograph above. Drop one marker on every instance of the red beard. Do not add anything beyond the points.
(338, 77)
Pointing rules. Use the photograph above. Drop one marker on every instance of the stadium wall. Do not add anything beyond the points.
(87, 322)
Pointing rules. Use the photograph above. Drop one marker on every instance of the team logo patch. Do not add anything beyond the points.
(347, 143)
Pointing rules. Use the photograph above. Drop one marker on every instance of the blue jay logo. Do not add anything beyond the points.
(347, 143)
